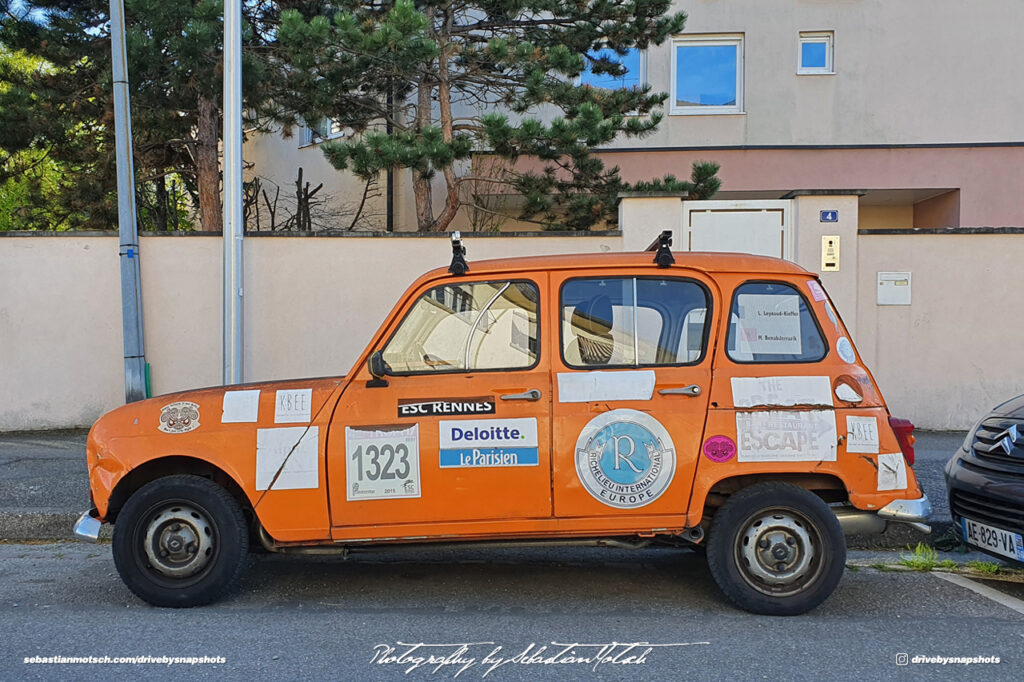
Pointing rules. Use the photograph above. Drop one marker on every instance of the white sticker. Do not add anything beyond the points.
(585, 387)
(892, 472)
(768, 324)
(817, 293)
(382, 462)
(293, 406)
(781, 391)
(786, 436)
(625, 458)
(240, 407)
(845, 350)
(295, 447)
(862, 435)
(488, 442)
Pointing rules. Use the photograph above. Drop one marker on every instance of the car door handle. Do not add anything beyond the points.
(692, 389)
(532, 394)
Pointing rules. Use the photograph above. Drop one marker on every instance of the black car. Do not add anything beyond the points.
(985, 480)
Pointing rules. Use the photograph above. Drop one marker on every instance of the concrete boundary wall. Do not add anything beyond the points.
(311, 303)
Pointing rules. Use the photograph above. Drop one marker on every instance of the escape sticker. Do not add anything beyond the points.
(290, 455)
(781, 391)
(443, 406)
(719, 448)
(892, 472)
(179, 417)
(788, 436)
(382, 462)
(845, 350)
(488, 443)
(862, 435)
(240, 407)
(817, 293)
(625, 458)
(768, 324)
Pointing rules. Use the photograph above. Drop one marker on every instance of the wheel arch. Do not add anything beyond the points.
(829, 487)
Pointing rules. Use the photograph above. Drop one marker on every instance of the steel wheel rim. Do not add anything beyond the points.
(179, 541)
(778, 552)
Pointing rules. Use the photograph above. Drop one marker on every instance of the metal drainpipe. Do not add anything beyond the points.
(233, 228)
(131, 289)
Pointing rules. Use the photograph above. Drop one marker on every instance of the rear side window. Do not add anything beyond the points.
(628, 321)
(770, 322)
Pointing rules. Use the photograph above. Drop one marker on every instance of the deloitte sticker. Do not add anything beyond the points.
(625, 458)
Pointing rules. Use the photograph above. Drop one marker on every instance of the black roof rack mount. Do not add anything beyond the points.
(459, 265)
(664, 257)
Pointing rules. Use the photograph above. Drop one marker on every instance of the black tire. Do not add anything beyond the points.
(776, 549)
(180, 541)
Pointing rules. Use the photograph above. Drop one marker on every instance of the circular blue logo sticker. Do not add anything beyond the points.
(625, 458)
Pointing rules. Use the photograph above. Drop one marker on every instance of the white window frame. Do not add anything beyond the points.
(709, 40)
(641, 76)
(310, 137)
(816, 37)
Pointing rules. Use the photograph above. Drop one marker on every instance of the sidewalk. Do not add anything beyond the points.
(44, 487)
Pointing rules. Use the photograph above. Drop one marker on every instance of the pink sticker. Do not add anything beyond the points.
(719, 448)
(817, 293)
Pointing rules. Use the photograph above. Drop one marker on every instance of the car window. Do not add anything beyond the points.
(468, 326)
(626, 321)
(771, 322)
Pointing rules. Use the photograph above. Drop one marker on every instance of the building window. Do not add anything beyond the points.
(634, 62)
(324, 129)
(815, 53)
(707, 75)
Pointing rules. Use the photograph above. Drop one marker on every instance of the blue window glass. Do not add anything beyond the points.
(706, 75)
(813, 56)
(630, 79)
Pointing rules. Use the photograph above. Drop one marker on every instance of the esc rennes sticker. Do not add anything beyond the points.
(625, 458)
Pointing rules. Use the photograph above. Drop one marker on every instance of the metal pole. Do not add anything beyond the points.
(131, 290)
(233, 227)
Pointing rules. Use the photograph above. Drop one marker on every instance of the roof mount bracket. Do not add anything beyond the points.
(664, 257)
(459, 265)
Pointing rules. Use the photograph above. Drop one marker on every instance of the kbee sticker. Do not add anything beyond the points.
(488, 443)
(719, 448)
(293, 406)
(382, 462)
(180, 417)
(625, 458)
(862, 435)
(445, 406)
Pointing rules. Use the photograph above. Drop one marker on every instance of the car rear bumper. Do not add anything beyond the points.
(912, 512)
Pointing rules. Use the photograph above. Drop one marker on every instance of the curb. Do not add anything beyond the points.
(31, 526)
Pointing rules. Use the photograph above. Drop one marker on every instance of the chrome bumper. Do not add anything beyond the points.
(87, 528)
(911, 512)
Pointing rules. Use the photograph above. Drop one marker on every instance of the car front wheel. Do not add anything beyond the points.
(776, 549)
(180, 541)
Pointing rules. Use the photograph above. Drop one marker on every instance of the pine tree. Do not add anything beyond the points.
(431, 85)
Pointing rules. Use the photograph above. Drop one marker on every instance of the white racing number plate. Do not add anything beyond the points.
(1002, 542)
(382, 462)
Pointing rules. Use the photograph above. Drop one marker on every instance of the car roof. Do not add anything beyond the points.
(696, 260)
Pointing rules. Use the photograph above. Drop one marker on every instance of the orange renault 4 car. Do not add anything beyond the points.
(699, 400)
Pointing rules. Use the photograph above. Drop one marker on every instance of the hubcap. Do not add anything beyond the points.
(775, 551)
(179, 541)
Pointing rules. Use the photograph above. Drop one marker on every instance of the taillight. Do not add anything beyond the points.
(905, 435)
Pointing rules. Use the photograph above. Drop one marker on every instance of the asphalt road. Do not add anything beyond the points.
(313, 617)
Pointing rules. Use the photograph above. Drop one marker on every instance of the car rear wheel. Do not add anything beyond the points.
(180, 541)
(776, 549)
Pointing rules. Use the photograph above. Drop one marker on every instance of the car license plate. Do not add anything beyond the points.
(993, 539)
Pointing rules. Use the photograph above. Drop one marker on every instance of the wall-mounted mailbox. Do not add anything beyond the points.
(894, 288)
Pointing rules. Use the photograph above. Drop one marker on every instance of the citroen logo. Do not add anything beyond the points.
(1006, 441)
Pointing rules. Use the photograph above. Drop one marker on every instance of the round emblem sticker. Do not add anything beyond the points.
(719, 448)
(179, 417)
(625, 458)
(845, 350)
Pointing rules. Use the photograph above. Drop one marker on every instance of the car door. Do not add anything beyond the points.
(632, 375)
(460, 429)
